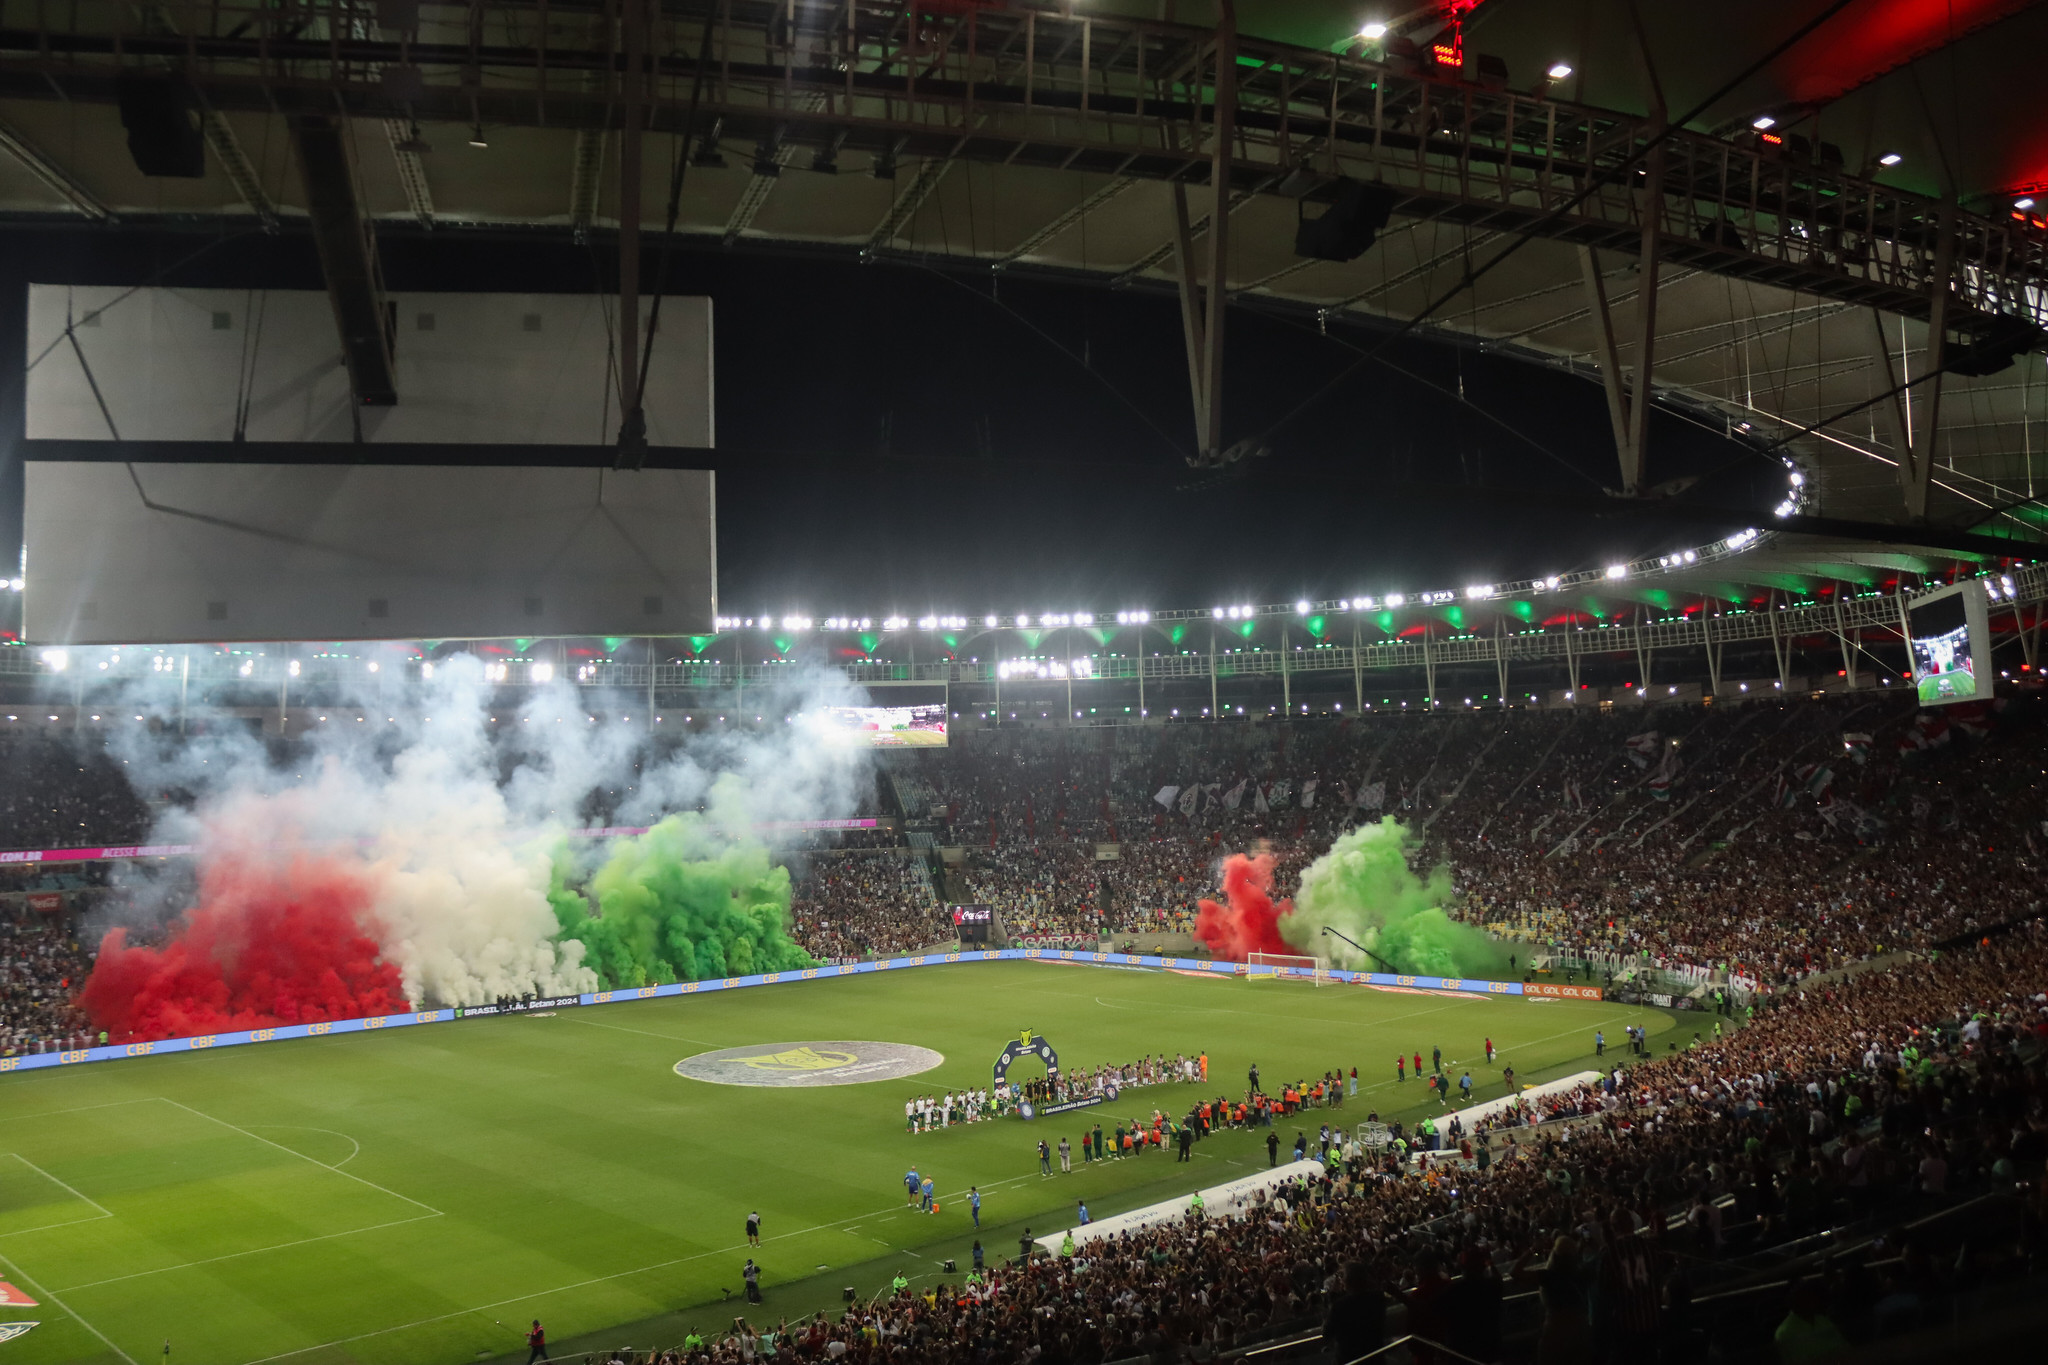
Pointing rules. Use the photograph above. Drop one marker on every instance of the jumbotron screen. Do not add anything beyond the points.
(1950, 631)
(888, 727)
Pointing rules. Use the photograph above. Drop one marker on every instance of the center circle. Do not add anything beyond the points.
(835, 1062)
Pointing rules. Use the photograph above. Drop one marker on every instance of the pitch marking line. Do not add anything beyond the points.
(355, 1148)
(645, 1033)
(346, 1175)
(843, 1225)
(81, 1109)
(51, 1295)
(69, 1222)
(254, 1251)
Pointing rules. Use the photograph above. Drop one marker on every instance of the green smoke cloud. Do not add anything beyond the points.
(1364, 888)
(681, 902)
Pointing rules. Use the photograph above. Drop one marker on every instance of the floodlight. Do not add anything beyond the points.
(1395, 599)
(2024, 202)
(1301, 607)
(1763, 121)
(989, 621)
(476, 136)
(1216, 611)
(1373, 31)
(1890, 159)
(1559, 71)
(1479, 592)
(56, 660)
(540, 672)
(1617, 571)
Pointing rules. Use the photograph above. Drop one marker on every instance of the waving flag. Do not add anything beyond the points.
(1165, 796)
(1642, 749)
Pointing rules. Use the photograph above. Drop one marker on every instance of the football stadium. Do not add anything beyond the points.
(1022, 682)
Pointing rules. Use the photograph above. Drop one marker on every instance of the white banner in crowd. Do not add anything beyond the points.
(1218, 1201)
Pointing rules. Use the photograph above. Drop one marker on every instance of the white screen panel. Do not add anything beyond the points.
(472, 369)
(149, 553)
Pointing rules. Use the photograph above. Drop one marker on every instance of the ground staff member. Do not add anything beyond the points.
(537, 1343)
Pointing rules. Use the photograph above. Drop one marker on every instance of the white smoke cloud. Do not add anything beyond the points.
(457, 818)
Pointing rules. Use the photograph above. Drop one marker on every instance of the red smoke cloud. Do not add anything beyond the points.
(268, 943)
(1249, 920)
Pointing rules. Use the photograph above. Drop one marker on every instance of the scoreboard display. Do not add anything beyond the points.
(976, 923)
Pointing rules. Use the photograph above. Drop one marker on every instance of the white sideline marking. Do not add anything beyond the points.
(51, 1294)
(69, 1222)
(254, 1251)
(346, 1175)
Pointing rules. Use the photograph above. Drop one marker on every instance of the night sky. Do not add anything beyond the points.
(901, 437)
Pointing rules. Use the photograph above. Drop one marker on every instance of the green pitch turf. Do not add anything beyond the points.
(415, 1197)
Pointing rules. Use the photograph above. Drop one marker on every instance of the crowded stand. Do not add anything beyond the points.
(1748, 845)
(854, 905)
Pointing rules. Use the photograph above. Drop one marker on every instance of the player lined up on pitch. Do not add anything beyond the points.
(925, 1113)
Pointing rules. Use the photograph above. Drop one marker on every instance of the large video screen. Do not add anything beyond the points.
(887, 727)
(1951, 639)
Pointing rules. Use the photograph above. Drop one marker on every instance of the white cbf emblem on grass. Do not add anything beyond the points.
(836, 1062)
(10, 1330)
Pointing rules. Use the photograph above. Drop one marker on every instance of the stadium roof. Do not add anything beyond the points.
(1795, 278)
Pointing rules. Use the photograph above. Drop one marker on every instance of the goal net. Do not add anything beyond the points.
(1287, 967)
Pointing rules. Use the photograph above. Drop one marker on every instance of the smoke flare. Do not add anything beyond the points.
(266, 944)
(1364, 889)
(682, 902)
(1247, 921)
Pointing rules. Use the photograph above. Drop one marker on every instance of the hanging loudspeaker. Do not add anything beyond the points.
(162, 119)
(1356, 214)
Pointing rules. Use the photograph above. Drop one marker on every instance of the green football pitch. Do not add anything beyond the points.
(419, 1195)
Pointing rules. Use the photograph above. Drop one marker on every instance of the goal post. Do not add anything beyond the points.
(1287, 967)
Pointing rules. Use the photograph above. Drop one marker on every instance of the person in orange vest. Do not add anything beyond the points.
(1205, 1065)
